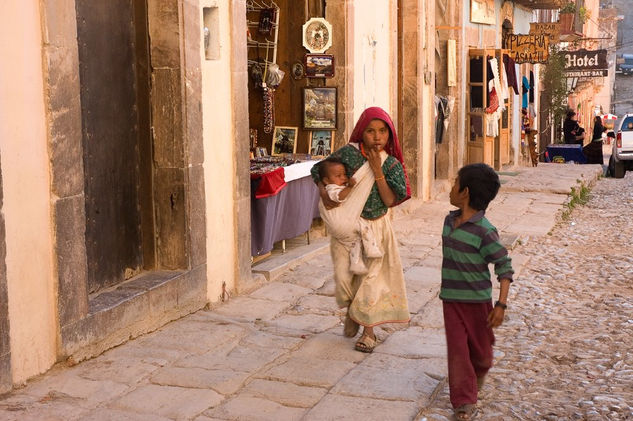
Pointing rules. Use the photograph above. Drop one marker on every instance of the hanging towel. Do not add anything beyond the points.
(525, 92)
(511, 73)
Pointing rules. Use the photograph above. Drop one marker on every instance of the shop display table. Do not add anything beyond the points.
(566, 153)
(288, 212)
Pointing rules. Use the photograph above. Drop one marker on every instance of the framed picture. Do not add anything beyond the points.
(319, 65)
(284, 140)
(321, 143)
(319, 108)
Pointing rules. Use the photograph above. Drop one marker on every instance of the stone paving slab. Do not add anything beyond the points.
(349, 408)
(179, 335)
(255, 409)
(283, 393)
(267, 340)
(415, 342)
(277, 291)
(106, 414)
(167, 401)
(313, 323)
(88, 393)
(54, 407)
(318, 304)
(309, 372)
(239, 358)
(331, 347)
(387, 377)
(250, 309)
(125, 370)
(223, 381)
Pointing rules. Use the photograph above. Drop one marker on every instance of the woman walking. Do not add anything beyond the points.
(378, 296)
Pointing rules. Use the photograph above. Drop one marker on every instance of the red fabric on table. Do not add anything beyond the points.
(271, 184)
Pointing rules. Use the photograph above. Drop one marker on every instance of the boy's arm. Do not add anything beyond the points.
(494, 252)
(495, 318)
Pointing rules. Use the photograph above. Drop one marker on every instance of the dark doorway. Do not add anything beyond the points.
(113, 57)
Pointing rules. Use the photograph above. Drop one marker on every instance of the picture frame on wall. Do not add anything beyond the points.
(284, 140)
(319, 65)
(321, 142)
(319, 108)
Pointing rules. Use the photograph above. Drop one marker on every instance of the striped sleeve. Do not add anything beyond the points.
(492, 251)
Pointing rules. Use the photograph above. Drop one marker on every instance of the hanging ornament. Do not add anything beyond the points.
(269, 109)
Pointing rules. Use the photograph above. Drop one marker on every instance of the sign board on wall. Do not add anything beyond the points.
(587, 73)
(528, 48)
(581, 60)
(551, 29)
(482, 11)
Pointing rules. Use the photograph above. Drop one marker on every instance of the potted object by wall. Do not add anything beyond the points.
(566, 18)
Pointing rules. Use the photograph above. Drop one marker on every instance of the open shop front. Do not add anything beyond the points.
(292, 116)
(490, 108)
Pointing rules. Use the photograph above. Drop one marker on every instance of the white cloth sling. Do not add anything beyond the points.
(342, 221)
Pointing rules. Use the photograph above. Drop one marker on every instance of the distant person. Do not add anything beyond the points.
(469, 244)
(593, 150)
(574, 134)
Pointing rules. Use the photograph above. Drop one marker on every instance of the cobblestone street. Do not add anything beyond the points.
(277, 352)
(565, 350)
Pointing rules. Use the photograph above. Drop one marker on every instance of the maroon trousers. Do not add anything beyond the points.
(469, 343)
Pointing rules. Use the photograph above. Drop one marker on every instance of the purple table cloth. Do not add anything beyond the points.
(285, 215)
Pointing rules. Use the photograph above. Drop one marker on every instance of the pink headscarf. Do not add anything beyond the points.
(393, 146)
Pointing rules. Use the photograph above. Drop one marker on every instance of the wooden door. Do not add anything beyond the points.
(480, 146)
(111, 131)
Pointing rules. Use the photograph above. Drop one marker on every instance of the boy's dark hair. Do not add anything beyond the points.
(571, 113)
(326, 163)
(482, 182)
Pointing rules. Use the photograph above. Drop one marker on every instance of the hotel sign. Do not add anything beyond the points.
(587, 73)
(528, 48)
(585, 60)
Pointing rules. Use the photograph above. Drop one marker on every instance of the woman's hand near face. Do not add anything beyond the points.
(373, 156)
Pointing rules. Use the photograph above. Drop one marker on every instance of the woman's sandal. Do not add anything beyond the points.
(366, 344)
(466, 412)
(350, 328)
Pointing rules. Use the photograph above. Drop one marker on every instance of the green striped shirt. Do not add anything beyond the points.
(467, 251)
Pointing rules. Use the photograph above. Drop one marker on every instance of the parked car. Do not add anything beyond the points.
(624, 64)
(622, 156)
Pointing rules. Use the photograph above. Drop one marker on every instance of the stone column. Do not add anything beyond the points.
(242, 191)
(340, 14)
(61, 70)
(411, 80)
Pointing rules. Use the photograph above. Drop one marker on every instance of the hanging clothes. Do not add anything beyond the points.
(511, 73)
(525, 92)
(496, 82)
(531, 87)
(504, 94)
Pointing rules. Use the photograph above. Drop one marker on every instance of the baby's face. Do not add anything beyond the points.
(336, 175)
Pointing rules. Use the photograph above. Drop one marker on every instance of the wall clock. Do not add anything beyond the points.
(317, 35)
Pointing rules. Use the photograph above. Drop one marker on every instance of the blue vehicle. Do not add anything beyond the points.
(625, 64)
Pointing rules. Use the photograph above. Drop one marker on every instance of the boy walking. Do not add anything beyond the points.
(469, 243)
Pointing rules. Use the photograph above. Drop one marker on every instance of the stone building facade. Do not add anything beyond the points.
(124, 150)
